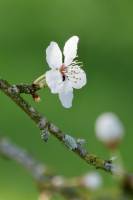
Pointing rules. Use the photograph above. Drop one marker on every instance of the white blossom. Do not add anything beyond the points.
(58, 181)
(109, 128)
(64, 75)
(92, 180)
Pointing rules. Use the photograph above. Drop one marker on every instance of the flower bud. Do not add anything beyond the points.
(109, 129)
(92, 180)
(36, 98)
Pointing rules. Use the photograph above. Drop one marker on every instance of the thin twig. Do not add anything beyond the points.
(44, 125)
(27, 89)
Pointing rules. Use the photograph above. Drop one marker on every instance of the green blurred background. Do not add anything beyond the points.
(105, 29)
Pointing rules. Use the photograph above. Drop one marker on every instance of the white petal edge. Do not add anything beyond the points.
(66, 98)
(54, 55)
(70, 50)
(54, 80)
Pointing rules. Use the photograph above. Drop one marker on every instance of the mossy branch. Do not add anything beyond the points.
(75, 145)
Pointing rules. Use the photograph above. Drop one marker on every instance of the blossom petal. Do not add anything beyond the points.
(54, 55)
(66, 94)
(54, 80)
(66, 98)
(70, 50)
(67, 86)
(77, 76)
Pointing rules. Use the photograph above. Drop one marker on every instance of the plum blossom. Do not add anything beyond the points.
(65, 74)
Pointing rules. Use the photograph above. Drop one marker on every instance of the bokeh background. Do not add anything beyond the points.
(105, 29)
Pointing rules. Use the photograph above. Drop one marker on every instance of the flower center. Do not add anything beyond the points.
(63, 70)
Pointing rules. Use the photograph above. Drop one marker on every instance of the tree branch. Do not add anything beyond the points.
(45, 126)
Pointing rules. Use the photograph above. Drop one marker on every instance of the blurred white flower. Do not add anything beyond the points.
(92, 180)
(44, 196)
(109, 129)
(64, 76)
(58, 181)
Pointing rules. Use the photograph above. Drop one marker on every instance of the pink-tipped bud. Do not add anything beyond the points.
(36, 98)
